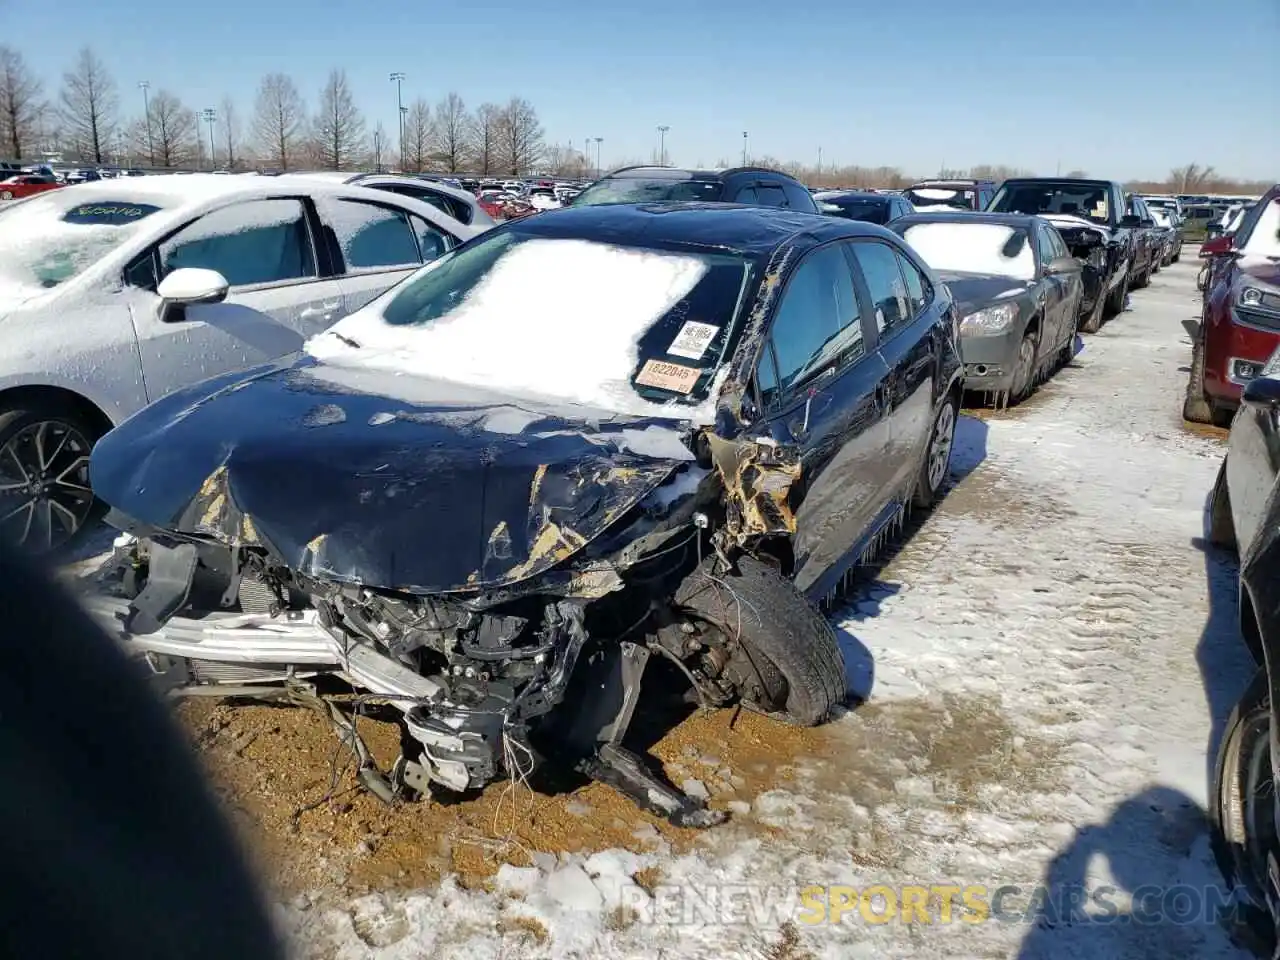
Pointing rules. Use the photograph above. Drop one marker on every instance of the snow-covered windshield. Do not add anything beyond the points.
(956, 197)
(645, 190)
(624, 329)
(987, 248)
(1086, 200)
(1264, 238)
(46, 240)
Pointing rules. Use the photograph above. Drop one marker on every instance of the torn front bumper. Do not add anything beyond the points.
(989, 360)
(255, 638)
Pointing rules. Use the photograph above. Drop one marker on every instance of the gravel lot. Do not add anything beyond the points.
(1045, 662)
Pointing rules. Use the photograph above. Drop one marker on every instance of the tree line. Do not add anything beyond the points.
(84, 121)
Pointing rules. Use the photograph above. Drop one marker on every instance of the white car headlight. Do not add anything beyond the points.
(992, 320)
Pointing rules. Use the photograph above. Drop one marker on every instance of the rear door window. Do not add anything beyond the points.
(249, 243)
(889, 299)
(370, 236)
(771, 195)
(747, 195)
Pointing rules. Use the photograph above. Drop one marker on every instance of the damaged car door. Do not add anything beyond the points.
(821, 386)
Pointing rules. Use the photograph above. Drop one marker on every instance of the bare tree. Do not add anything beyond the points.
(486, 133)
(1191, 178)
(175, 135)
(418, 137)
(452, 132)
(338, 128)
(381, 151)
(89, 102)
(21, 105)
(520, 136)
(1076, 174)
(278, 117)
(229, 121)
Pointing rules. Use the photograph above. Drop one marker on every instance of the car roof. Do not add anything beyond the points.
(729, 227)
(850, 194)
(1089, 180)
(369, 179)
(680, 173)
(948, 182)
(1024, 220)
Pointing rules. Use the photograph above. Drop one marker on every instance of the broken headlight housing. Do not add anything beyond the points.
(1272, 367)
(990, 320)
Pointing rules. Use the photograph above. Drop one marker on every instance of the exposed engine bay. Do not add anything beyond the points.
(486, 684)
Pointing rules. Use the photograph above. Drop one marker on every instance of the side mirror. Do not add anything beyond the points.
(1148, 222)
(1218, 246)
(1130, 220)
(1060, 265)
(193, 285)
(1262, 392)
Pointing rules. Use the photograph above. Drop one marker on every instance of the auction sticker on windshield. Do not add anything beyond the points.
(108, 213)
(668, 376)
(693, 339)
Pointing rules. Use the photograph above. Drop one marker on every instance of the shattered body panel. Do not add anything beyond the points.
(358, 488)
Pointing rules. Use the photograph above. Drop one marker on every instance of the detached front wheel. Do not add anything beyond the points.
(785, 660)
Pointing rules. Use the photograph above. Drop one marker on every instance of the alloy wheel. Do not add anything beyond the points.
(944, 433)
(45, 496)
(1023, 371)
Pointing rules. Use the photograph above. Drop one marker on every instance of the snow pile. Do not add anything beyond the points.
(974, 248)
(553, 319)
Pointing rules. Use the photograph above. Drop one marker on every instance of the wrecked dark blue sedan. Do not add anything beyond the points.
(578, 443)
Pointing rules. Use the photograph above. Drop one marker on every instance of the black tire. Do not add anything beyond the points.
(14, 421)
(1240, 856)
(1196, 407)
(782, 634)
(1142, 279)
(928, 488)
(1177, 255)
(1222, 529)
(1093, 322)
(1115, 302)
(1019, 393)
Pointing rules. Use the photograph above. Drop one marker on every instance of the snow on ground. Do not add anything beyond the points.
(1046, 659)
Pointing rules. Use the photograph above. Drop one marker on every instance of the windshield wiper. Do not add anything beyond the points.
(347, 340)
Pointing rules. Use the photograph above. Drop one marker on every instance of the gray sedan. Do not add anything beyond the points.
(1017, 290)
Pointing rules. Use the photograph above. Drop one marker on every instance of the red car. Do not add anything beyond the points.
(504, 207)
(1240, 321)
(25, 184)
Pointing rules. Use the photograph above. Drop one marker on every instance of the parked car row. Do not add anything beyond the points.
(1241, 320)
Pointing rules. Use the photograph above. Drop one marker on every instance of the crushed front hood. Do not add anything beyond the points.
(361, 488)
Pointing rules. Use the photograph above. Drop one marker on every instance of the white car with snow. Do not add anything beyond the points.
(114, 294)
(457, 203)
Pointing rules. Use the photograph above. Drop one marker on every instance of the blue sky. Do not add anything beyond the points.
(1120, 88)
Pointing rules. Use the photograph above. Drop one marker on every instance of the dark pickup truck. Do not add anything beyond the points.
(1094, 218)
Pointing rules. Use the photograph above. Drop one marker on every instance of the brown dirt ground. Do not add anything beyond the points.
(267, 762)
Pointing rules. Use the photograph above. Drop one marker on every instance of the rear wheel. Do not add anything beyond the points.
(1242, 806)
(6, 194)
(789, 663)
(937, 457)
(45, 499)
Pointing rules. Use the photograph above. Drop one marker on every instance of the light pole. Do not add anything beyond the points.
(598, 140)
(662, 145)
(586, 155)
(209, 116)
(146, 107)
(819, 161)
(399, 79)
(744, 148)
(404, 112)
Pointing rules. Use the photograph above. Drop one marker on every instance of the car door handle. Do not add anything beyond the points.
(324, 311)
